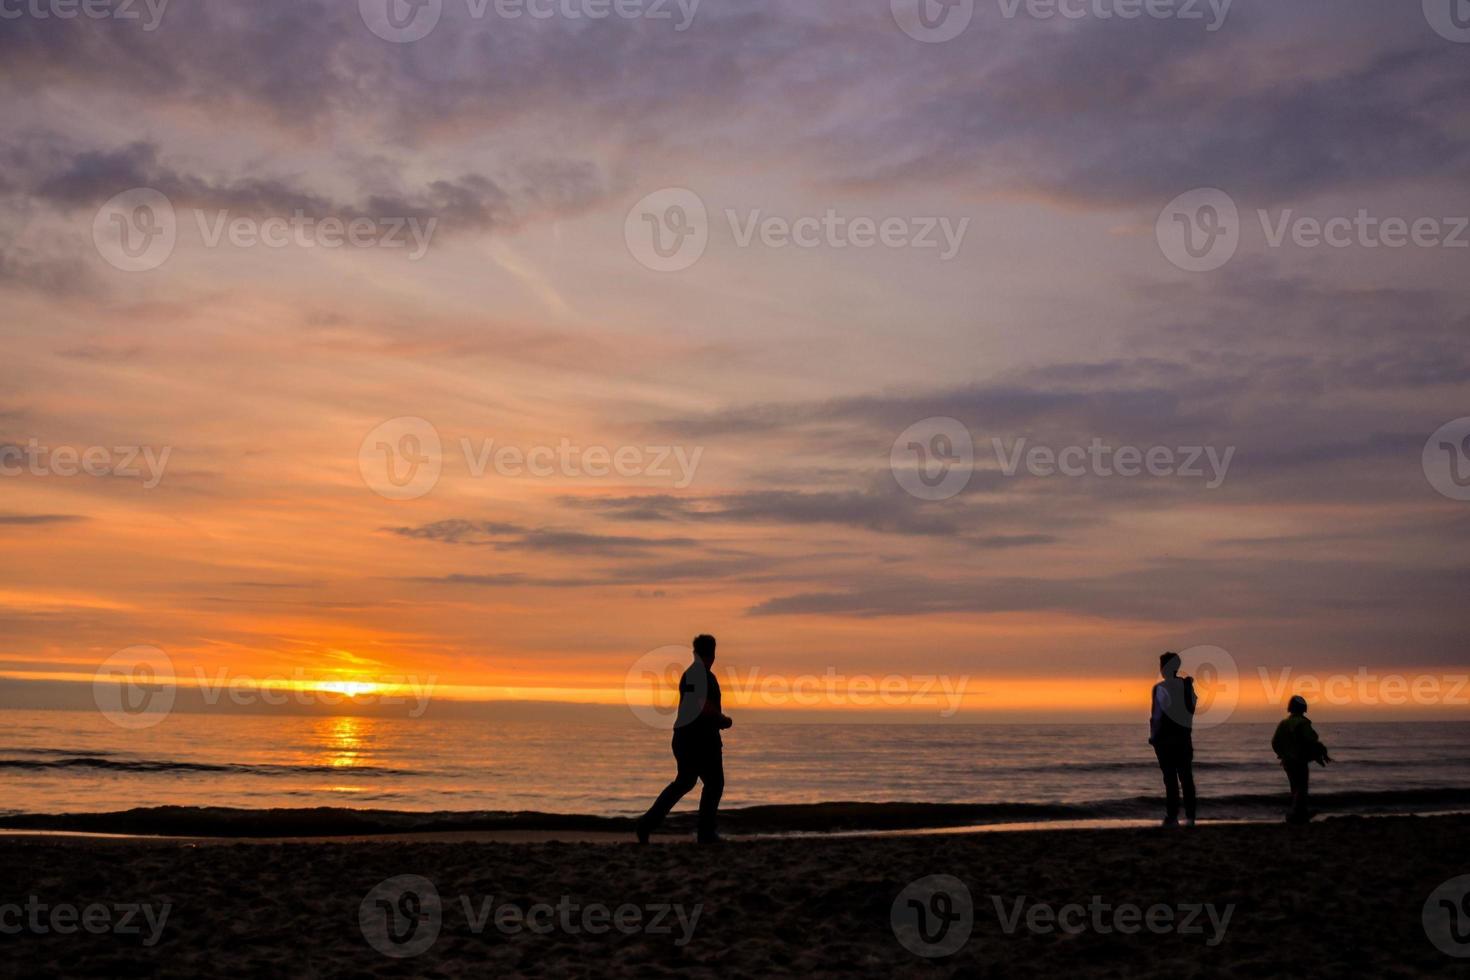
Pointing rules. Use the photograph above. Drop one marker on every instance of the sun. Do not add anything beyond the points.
(351, 689)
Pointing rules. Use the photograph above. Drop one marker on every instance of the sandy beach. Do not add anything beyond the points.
(1342, 896)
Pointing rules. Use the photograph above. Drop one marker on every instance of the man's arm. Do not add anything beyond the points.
(1156, 715)
(704, 686)
(707, 709)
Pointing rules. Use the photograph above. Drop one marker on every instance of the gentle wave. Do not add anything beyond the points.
(1266, 764)
(109, 760)
(98, 761)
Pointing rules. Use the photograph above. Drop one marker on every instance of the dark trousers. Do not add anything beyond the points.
(1299, 776)
(700, 759)
(1176, 760)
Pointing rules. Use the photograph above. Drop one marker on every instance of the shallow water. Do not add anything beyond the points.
(55, 761)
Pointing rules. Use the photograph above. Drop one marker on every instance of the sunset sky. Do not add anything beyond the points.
(771, 379)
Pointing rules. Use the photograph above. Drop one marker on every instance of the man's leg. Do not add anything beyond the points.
(712, 774)
(1186, 778)
(1171, 781)
(1296, 776)
(683, 782)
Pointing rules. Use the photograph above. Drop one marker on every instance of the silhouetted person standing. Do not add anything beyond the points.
(698, 749)
(1171, 733)
(1297, 746)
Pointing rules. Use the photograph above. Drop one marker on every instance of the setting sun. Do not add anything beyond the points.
(351, 689)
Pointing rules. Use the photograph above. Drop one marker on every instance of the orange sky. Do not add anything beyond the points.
(756, 396)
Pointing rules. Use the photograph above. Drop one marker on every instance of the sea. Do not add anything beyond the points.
(79, 762)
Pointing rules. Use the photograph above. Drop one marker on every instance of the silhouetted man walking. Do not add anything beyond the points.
(1171, 733)
(698, 749)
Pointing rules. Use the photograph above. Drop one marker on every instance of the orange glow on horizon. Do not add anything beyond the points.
(936, 696)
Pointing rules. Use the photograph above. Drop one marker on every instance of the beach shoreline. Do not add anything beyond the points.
(827, 818)
(665, 836)
(1338, 896)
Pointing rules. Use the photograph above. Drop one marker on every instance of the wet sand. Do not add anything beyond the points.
(1340, 897)
(790, 818)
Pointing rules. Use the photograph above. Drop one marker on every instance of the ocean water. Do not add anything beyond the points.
(59, 762)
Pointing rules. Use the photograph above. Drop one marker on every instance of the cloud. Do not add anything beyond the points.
(506, 580)
(69, 179)
(889, 513)
(103, 353)
(274, 585)
(1100, 113)
(1124, 397)
(1109, 114)
(313, 68)
(1176, 591)
(512, 537)
(60, 276)
(1315, 379)
(710, 570)
(34, 520)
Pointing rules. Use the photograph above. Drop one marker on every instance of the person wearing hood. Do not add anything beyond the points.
(1297, 746)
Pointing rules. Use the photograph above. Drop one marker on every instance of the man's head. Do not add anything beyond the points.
(704, 648)
(1297, 705)
(1169, 664)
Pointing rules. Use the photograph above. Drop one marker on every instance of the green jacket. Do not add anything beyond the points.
(1296, 741)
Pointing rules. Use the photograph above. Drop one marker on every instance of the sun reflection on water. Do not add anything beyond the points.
(343, 742)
